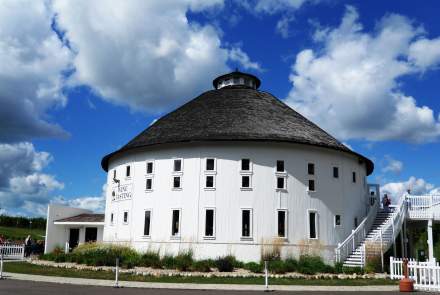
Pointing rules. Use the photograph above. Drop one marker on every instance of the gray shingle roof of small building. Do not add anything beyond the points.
(234, 114)
(83, 218)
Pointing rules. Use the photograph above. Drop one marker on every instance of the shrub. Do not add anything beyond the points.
(202, 266)
(312, 265)
(352, 270)
(151, 259)
(226, 263)
(277, 266)
(184, 260)
(254, 267)
(374, 264)
(100, 254)
(168, 262)
(291, 264)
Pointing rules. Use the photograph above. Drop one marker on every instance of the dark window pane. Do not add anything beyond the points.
(337, 219)
(114, 174)
(149, 183)
(311, 169)
(210, 164)
(177, 165)
(355, 222)
(335, 172)
(245, 164)
(150, 167)
(127, 171)
(280, 182)
(354, 176)
(111, 218)
(281, 223)
(125, 216)
(209, 223)
(176, 182)
(246, 223)
(147, 223)
(209, 181)
(245, 181)
(311, 185)
(280, 166)
(312, 224)
(175, 223)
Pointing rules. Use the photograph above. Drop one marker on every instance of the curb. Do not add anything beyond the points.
(187, 286)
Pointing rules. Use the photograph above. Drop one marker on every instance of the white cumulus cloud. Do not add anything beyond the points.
(392, 165)
(417, 186)
(350, 86)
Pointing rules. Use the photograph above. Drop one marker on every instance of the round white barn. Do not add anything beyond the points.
(235, 171)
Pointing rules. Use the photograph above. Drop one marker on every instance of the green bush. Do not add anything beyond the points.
(277, 266)
(183, 261)
(254, 267)
(201, 266)
(226, 263)
(312, 265)
(291, 264)
(151, 259)
(338, 267)
(352, 270)
(168, 262)
(97, 254)
(374, 264)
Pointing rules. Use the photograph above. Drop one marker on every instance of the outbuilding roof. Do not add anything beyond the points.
(235, 114)
(83, 218)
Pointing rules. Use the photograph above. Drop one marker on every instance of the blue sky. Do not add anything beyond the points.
(78, 82)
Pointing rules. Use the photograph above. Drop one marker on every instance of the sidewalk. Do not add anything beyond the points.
(128, 284)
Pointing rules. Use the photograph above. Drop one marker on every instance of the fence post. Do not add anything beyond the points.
(117, 273)
(266, 276)
(22, 251)
(381, 249)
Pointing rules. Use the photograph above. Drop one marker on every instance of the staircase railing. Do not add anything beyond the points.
(388, 232)
(356, 237)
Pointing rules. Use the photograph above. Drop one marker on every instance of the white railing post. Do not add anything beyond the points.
(266, 275)
(381, 249)
(117, 273)
(22, 251)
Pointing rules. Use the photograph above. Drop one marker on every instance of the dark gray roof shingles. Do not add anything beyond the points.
(83, 218)
(234, 114)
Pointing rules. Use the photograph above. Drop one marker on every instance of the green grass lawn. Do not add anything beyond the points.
(17, 233)
(27, 268)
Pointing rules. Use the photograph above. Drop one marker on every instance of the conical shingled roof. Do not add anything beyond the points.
(234, 114)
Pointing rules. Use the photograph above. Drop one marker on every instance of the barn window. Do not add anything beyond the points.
(147, 223)
(311, 185)
(149, 184)
(313, 225)
(175, 223)
(210, 164)
(354, 177)
(150, 167)
(337, 220)
(245, 165)
(111, 218)
(311, 169)
(336, 172)
(177, 182)
(246, 223)
(245, 181)
(282, 223)
(177, 166)
(281, 182)
(209, 181)
(127, 171)
(209, 222)
(280, 166)
(125, 219)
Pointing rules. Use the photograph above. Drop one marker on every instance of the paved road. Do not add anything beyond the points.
(15, 287)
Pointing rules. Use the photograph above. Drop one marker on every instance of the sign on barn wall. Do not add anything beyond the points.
(122, 192)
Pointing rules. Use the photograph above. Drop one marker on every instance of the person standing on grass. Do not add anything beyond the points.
(27, 245)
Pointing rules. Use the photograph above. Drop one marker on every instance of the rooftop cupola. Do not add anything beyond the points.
(236, 79)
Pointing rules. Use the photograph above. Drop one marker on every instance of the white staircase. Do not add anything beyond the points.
(356, 258)
(374, 236)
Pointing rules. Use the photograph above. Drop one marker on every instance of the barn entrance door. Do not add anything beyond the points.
(73, 238)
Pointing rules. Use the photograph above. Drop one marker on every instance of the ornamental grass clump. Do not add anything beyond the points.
(184, 260)
(254, 267)
(313, 264)
(226, 263)
(151, 259)
(96, 254)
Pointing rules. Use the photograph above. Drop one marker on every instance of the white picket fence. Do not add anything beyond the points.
(12, 251)
(426, 275)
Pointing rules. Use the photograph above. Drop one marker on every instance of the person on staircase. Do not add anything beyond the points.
(386, 202)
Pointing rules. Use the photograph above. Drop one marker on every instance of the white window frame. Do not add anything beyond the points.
(314, 184)
(286, 223)
(284, 177)
(152, 181)
(276, 167)
(112, 218)
(340, 220)
(123, 217)
(206, 164)
(172, 183)
(151, 221)
(205, 237)
(251, 225)
(181, 166)
(307, 169)
(214, 182)
(131, 171)
(250, 166)
(250, 182)
(176, 237)
(316, 224)
(153, 166)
